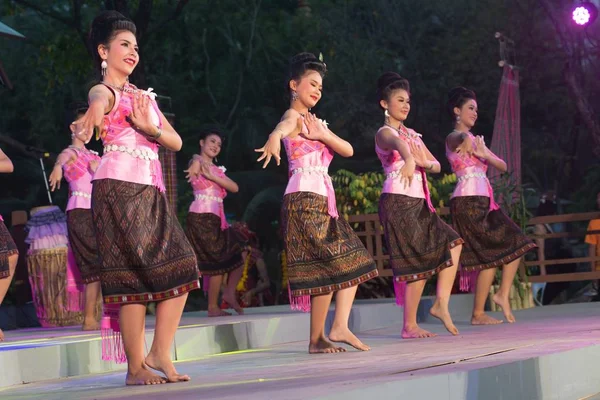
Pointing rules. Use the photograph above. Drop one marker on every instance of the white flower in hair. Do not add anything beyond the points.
(149, 92)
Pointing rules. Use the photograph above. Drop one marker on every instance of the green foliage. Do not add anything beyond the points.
(359, 193)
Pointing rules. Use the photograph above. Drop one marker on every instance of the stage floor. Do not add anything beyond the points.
(550, 353)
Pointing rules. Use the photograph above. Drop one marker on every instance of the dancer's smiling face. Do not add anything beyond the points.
(309, 88)
(467, 113)
(211, 145)
(121, 53)
(397, 104)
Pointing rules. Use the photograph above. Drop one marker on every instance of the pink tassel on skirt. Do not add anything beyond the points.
(112, 341)
(74, 286)
(205, 283)
(400, 291)
(299, 303)
(468, 280)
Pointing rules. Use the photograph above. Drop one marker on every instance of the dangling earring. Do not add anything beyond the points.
(294, 95)
(103, 66)
(216, 160)
(458, 119)
(72, 136)
(386, 114)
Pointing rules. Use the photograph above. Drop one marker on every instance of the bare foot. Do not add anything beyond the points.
(90, 325)
(217, 312)
(166, 367)
(347, 337)
(415, 332)
(443, 315)
(143, 377)
(504, 303)
(231, 300)
(324, 346)
(1, 336)
(484, 319)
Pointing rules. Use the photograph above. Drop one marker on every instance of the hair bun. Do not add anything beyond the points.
(460, 92)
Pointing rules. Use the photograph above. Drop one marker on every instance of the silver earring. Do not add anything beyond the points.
(216, 160)
(458, 119)
(294, 95)
(103, 66)
(386, 113)
(72, 136)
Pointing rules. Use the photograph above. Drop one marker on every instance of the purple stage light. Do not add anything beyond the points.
(584, 13)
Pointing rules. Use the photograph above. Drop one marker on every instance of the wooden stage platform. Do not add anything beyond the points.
(550, 353)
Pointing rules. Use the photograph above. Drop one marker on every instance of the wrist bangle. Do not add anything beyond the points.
(158, 134)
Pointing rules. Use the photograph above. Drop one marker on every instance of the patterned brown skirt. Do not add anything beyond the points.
(218, 251)
(143, 252)
(323, 253)
(82, 240)
(492, 239)
(417, 240)
(7, 249)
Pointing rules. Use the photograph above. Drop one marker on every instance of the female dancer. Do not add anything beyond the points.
(9, 255)
(220, 249)
(79, 165)
(324, 254)
(420, 244)
(143, 252)
(492, 239)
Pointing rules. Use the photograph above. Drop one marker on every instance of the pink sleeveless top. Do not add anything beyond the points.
(208, 196)
(308, 162)
(392, 161)
(471, 174)
(129, 155)
(79, 175)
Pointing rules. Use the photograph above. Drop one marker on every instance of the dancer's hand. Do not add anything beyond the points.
(480, 149)
(206, 171)
(466, 147)
(140, 116)
(271, 149)
(84, 127)
(417, 150)
(317, 129)
(55, 177)
(193, 170)
(407, 172)
(94, 165)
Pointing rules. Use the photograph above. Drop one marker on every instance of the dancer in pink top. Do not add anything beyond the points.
(419, 243)
(324, 255)
(144, 253)
(492, 239)
(220, 249)
(9, 255)
(79, 165)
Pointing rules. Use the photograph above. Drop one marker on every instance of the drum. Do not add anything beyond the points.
(47, 261)
(48, 278)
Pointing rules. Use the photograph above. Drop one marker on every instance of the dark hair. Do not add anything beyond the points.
(303, 62)
(388, 82)
(73, 110)
(212, 130)
(457, 97)
(104, 28)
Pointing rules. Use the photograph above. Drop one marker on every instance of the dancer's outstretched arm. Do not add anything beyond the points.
(290, 125)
